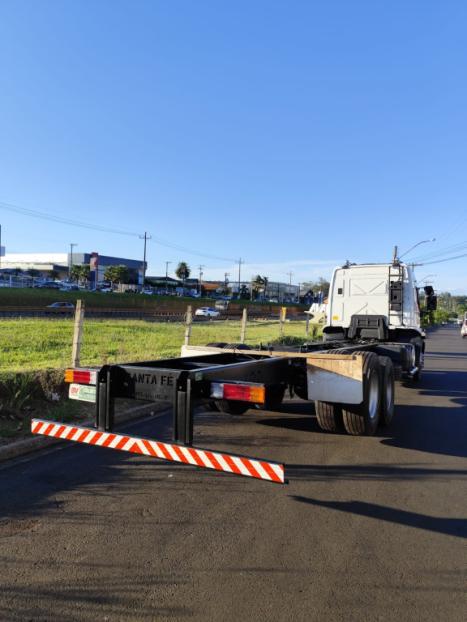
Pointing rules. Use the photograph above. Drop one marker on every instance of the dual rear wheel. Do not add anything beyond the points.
(376, 408)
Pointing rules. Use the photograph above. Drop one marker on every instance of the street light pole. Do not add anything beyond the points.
(425, 278)
(71, 259)
(144, 237)
(167, 276)
(240, 261)
(200, 277)
(415, 246)
(290, 281)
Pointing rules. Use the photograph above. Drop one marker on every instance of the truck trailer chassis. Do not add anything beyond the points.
(351, 383)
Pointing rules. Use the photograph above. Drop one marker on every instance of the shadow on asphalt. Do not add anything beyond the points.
(431, 428)
(106, 598)
(371, 472)
(448, 526)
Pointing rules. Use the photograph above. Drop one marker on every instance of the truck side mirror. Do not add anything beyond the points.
(432, 302)
(431, 298)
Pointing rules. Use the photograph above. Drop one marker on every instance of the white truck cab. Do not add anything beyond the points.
(386, 291)
(376, 301)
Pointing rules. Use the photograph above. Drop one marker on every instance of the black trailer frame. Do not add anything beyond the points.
(183, 382)
(186, 381)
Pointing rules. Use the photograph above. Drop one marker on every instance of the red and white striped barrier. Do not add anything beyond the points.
(237, 465)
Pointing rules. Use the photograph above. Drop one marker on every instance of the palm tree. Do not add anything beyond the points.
(258, 285)
(183, 272)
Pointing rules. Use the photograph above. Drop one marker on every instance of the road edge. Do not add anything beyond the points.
(36, 443)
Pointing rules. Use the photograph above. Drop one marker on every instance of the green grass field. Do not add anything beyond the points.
(34, 344)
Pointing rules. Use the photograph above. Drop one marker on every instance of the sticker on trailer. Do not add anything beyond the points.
(82, 392)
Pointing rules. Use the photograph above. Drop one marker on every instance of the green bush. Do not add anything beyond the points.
(16, 392)
(51, 383)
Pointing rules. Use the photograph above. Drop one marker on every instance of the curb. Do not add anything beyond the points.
(35, 443)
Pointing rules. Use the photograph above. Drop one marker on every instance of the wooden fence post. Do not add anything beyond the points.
(282, 316)
(188, 322)
(244, 320)
(77, 333)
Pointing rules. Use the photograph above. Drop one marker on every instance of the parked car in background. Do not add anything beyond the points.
(60, 307)
(147, 291)
(207, 312)
(69, 287)
(49, 285)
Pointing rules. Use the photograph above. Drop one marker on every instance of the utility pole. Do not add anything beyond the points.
(200, 268)
(144, 237)
(167, 276)
(240, 261)
(72, 245)
(290, 281)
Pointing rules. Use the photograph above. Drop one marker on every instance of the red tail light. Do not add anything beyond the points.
(81, 376)
(255, 393)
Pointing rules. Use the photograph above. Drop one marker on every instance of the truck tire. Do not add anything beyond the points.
(419, 354)
(362, 419)
(329, 416)
(386, 377)
(232, 407)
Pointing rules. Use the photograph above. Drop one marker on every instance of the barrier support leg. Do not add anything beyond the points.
(183, 416)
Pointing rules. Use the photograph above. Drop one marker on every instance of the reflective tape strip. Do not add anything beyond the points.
(203, 458)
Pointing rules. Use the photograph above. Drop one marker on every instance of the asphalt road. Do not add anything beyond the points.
(367, 529)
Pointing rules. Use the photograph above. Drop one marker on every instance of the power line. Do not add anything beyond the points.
(191, 251)
(442, 251)
(429, 263)
(454, 227)
(94, 227)
(61, 219)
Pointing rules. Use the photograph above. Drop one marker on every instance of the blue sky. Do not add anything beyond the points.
(295, 135)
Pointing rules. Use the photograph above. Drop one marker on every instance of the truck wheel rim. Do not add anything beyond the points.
(373, 397)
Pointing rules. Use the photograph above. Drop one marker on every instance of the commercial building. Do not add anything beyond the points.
(58, 264)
